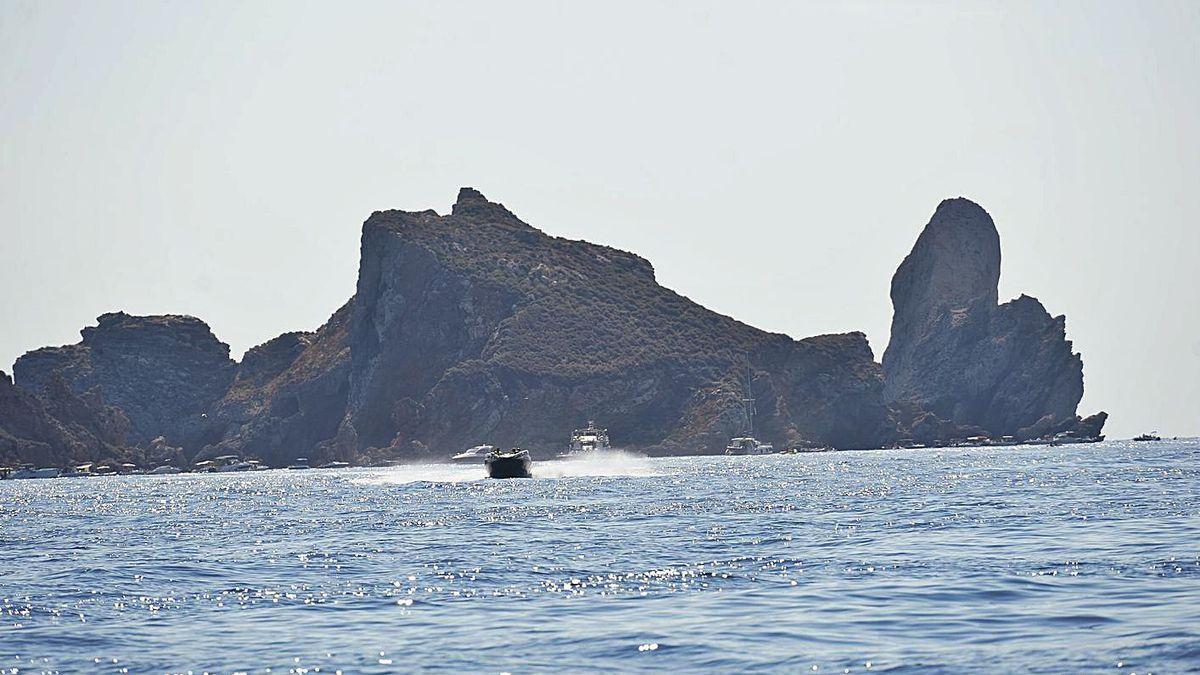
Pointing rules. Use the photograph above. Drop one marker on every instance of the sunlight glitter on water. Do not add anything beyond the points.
(908, 560)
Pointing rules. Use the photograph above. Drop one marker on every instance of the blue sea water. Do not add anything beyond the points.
(1033, 559)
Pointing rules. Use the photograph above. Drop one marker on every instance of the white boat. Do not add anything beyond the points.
(475, 454)
(235, 466)
(28, 473)
(164, 470)
(586, 441)
(81, 471)
(226, 463)
(748, 444)
(300, 464)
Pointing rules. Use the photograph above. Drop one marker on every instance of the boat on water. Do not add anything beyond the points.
(165, 470)
(81, 471)
(587, 441)
(514, 463)
(300, 464)
(26, 473)
(803, 449)
(748, 444)
(334, 465)
(227, 463)
(474, 455)
(1152, 436)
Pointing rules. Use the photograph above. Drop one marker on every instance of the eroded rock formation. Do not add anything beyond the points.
(977, 366)
(58, 427)
(164, 372)
(288, 398)
(475, 327)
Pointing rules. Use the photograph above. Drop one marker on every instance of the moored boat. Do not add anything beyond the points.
(81, 471)
(227, 463)
(748, 444)
(514, 463)
(25, 473)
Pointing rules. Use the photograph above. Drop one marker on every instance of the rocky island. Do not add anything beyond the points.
(475, 326)
(958, 363)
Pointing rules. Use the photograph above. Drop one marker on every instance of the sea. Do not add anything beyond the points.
(1070, 559)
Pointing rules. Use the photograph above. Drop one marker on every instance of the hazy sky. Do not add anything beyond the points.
(775, 161)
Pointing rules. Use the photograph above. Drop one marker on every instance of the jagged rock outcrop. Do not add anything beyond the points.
(477, 327)
(977, 366)
(58, 428)
(288, 398)
(164, 372)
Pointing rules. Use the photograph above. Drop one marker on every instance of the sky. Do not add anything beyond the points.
(774, 161)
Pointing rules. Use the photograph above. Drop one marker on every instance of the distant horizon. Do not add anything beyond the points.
(775, 163)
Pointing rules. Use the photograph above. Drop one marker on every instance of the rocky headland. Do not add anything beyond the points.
(476, 327)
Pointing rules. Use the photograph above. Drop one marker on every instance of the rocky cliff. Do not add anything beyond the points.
(288, 398)
(59, 427)
(164, 372)
(474, 327)
(975, 365)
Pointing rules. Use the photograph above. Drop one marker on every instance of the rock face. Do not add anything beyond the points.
(58, 428)
(164, 372)
(475, 327)
(288, 398)
(954, 352)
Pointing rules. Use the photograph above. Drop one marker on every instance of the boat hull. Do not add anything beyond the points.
(517, 465)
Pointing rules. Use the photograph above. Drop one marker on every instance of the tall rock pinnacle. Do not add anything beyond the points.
(1001, 369)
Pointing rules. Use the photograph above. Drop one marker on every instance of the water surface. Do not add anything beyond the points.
(1035, 559)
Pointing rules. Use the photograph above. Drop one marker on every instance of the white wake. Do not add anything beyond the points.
(608, 463)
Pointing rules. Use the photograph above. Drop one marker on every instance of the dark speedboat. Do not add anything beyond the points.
(513, 463)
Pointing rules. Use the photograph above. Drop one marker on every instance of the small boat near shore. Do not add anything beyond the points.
(748, 444)
(81, 471)
(514, 463)
(1152, 436)
(26, 473)
(804, 449)
(228, 463)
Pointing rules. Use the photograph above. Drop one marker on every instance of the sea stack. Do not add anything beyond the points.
(960, 363)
